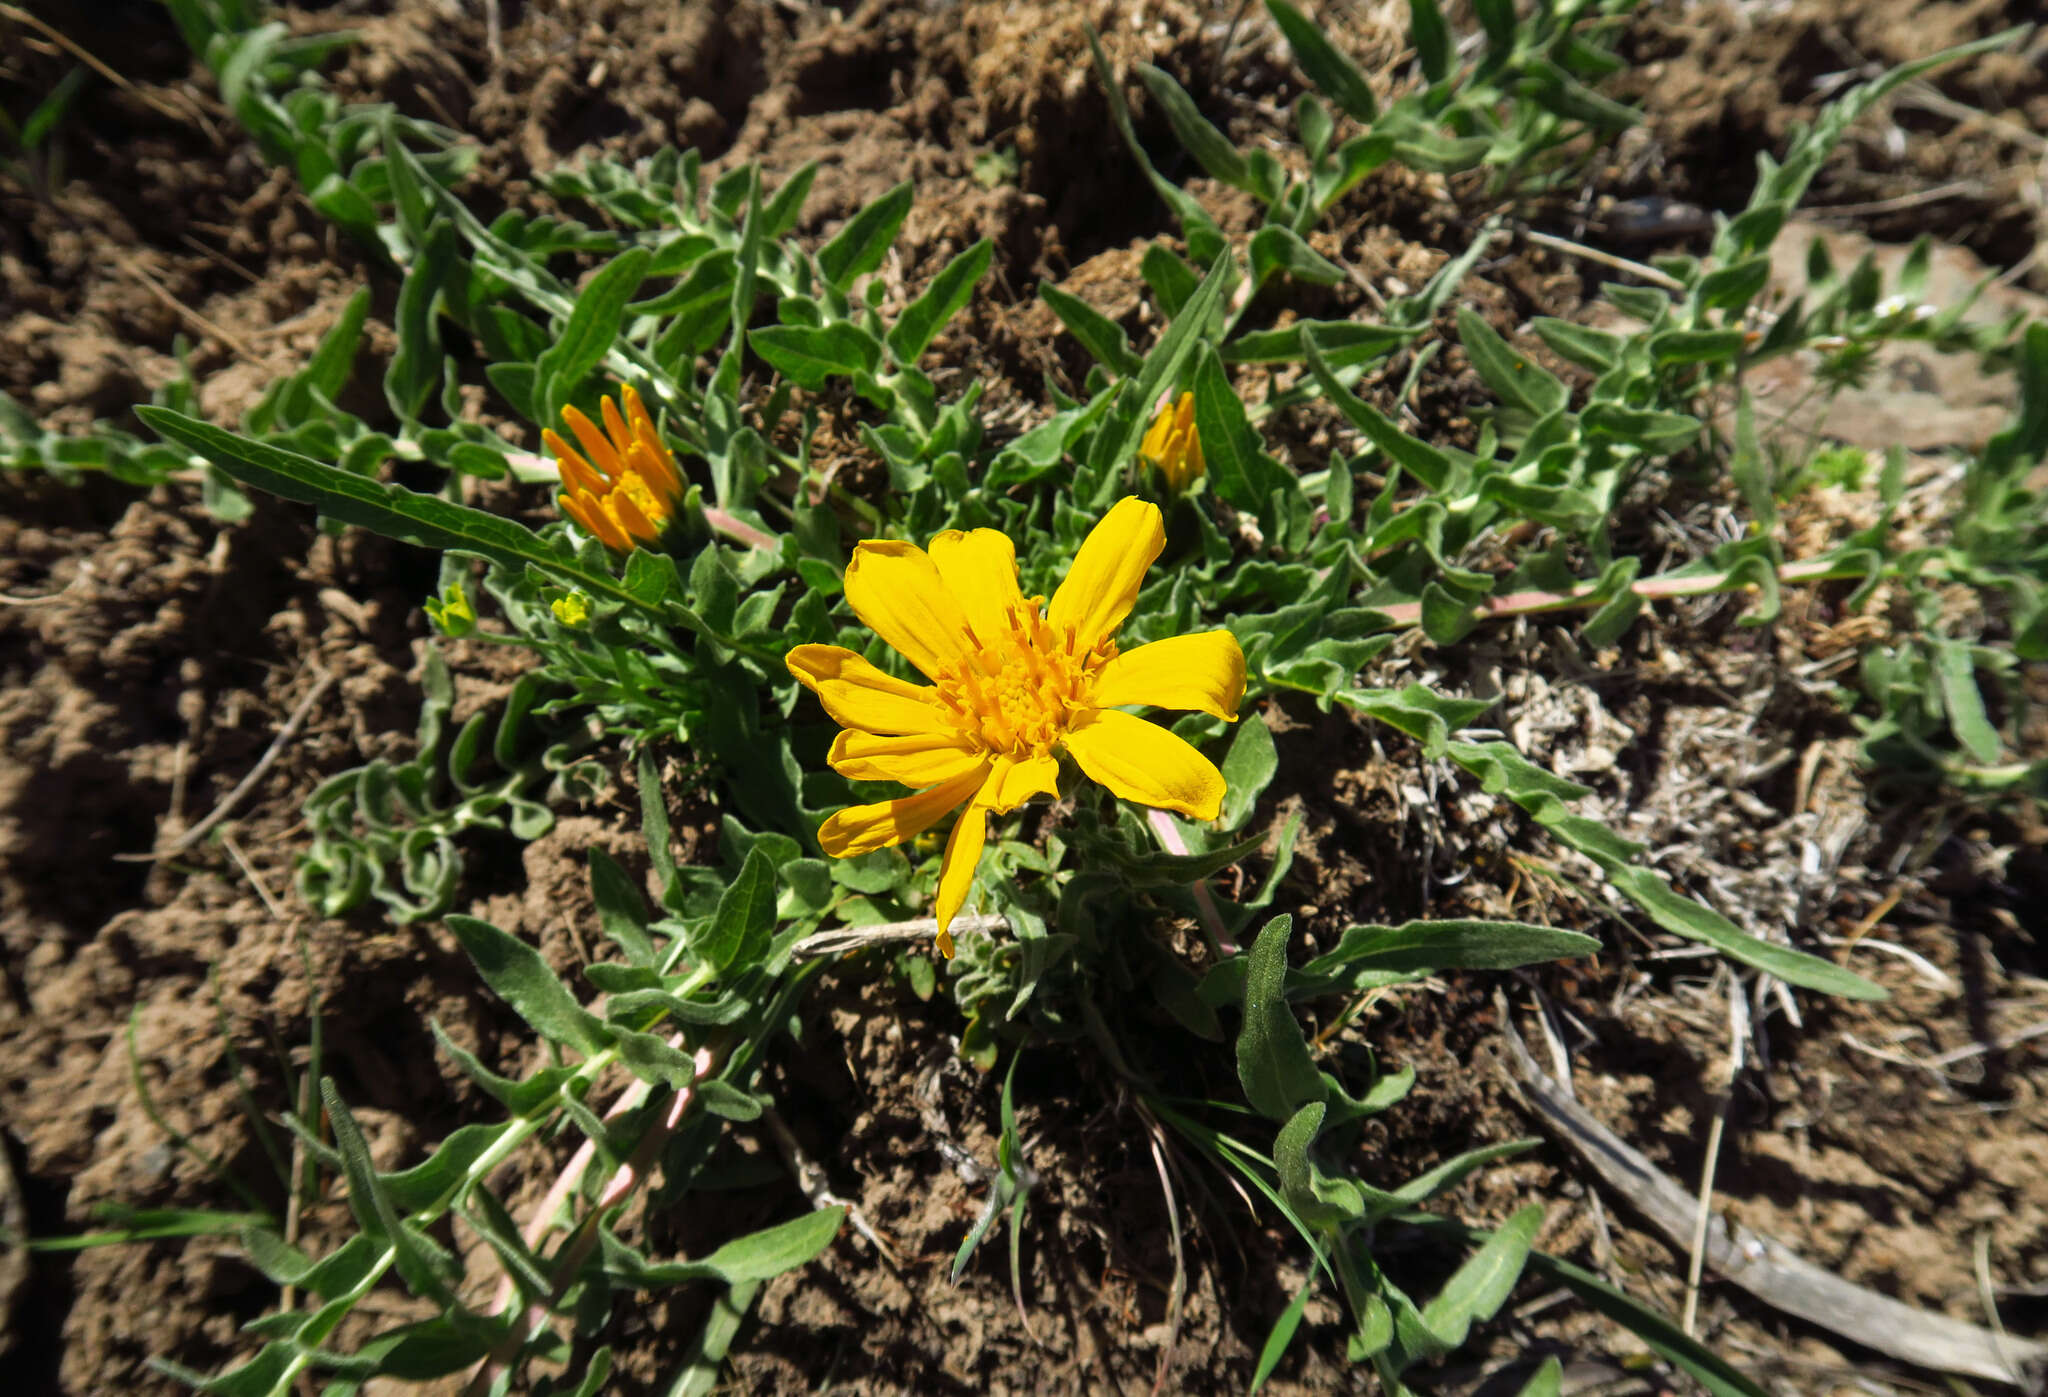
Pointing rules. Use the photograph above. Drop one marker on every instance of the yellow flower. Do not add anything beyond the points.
(1172, 445)
(623, 486)
(572, 610)
(452, 612)
(1013, 682)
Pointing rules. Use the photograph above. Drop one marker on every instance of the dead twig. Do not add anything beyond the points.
(1606, 259)
(854, 938)
(1738, 1035)
(1767, 1268)
(818, 1189)
(247, 784)
(277, 909)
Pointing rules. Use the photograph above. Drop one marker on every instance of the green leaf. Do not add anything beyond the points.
(1644, 427)
(951, 289)
(859, 246)
(1343, 343)
(621, 910)
(1282, 1332)
(1483, 1283)
(773, 1250)
(593, 325)
(1318, 1201)
(1955, 667)
(1426, 463)
(415, 365)
(1099, 335)
(1598, 350)
(808, 355)
(654, 825)
(391, 510)
(1696, 346)
(1247, 769)
(1452, 1172)
(739, 929)
(48, 112)
(653, 1058)
(1432, 39)
(1116, 440)
(1273, 1062)
(1172, 280)
(1714, 1373)
(1205, 240)
(423, 1264)
(780, 213)
(1501, 769)
(1240, 471)
(1497, 18)
(1731, 287)
(722, 1098)
(1279, 249)
(518, 975)
(1513, 379)
(1426, 947)
(757, 1257)
(1325, 66)
(129, 1225)
(1211, 148)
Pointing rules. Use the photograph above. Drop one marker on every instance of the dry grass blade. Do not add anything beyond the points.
(1768, 1269)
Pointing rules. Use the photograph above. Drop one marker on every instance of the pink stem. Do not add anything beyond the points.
(738, 530)
(1205, 904)
(569, 1260)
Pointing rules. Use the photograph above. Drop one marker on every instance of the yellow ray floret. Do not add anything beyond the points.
(1172, 446)
(622, 486)
(1014, 683)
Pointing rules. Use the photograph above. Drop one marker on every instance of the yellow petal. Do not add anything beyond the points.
(589, 511)
(576, 472)
(1101, 586)
(956, 872)
(1013, 783)
(631, 507)
(614, 425)
(1153, 447)
(636, 411)
(979, 568)
(896, 590)
(1203, 671)
(1144, 762)
(651, 462)
(857, 695)
(915, 759)
(862, 829)
(595, 446)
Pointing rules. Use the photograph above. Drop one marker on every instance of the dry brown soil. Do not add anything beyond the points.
(148, 656)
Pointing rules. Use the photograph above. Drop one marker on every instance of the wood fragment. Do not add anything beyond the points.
(1766, 1268)
(854, 938)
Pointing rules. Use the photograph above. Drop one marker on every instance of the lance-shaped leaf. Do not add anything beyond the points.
(518, 975)
(591, 328)
(391, 510)
(1326, 67)
(924, 317)
(1273, 1063)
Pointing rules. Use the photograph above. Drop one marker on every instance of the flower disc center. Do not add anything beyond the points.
(1017, 690)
